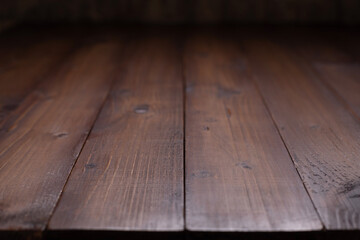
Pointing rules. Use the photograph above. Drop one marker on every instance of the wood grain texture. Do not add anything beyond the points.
(335, 61)
(344, 80)
(321, 135)
(130, 173)
(239, 175)
(40, 141)
(24, 65)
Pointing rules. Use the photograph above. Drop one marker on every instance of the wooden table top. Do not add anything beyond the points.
(169, 132)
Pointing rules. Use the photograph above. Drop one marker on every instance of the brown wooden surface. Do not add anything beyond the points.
(321, 135)
(23, 65)
(255, 104)
(130, 174)
(239, 175)
(344, 80)
(40, 141)
(336, 62)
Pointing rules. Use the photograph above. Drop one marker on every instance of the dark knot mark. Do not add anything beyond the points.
(206, 128)
(141, 109)
(349, 186)
(189, 89)
(314, 127)
(177, 194)
(202, 174)
(355, 196)
(225, 92)
(210, 120)
(90, 165)
(124, 92)
(244, 165)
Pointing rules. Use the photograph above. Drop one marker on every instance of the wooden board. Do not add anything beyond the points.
(344, 80)
(130, 173)
(239, 175)
(321, 135)
(23, 66)
(333, 62)
(42, 138)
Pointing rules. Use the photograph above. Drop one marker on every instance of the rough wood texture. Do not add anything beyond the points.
(40, 141)
(321, 135)
(24, 65)
(239, 175)
(130, 173)
(255, 103)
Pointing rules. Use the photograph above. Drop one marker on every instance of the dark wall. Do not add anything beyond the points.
(183, 11)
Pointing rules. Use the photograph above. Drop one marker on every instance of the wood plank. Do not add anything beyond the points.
(338, 68)
(322, 137)
(130, 173)
(41, 140)
(24, 65)
(347, 40)
(344, 80)
(316, 44)
(239, 175)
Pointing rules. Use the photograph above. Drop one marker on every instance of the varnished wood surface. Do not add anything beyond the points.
(40, 141)
(336, 62)
(130, 173)
(237, 167)
(94, 135)
(344, 80)
(35, 60)
(323, 138)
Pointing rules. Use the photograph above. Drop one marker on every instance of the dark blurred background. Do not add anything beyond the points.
(301, 12)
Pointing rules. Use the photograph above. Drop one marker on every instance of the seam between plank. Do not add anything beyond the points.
(112, 83)
(253, 80)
